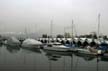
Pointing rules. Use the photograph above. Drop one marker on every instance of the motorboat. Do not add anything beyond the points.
(31, 43)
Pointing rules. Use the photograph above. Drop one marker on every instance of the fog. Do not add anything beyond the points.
(35, 15)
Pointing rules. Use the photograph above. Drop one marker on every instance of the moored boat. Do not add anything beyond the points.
(89, 51)
(12, 41)
(56, 47)
(31, 43)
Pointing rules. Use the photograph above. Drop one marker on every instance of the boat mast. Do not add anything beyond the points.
(64, 32)
(72, 30)
(51, 24)
(51, 28)
(98, 34)
(75, 31)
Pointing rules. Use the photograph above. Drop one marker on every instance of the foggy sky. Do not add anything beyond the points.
(35, 15)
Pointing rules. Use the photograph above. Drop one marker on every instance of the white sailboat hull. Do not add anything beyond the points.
(57, 48)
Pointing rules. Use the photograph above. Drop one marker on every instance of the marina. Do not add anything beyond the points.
(53, 35)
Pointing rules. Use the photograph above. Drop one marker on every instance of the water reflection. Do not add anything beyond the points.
(1, 44)
(55, 55)
(85, 57)
(104, 58)
(12, 49)
(52, 56)
(36, 50)
(20, 59)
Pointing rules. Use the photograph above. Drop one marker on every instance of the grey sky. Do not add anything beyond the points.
(15, 15)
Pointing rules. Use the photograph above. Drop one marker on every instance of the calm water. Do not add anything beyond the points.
(20, 59)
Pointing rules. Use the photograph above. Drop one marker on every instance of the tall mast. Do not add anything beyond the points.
(64, 31)
(51, 28)
(72, 33)
(72, 29)
(98, 34)
(75, 31)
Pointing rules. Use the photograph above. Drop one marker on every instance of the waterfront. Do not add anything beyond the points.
(20, 59)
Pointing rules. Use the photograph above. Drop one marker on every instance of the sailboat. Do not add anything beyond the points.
(69, 42)
(73, 41)
(91, 50)
(54, 46)
(103, 46)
